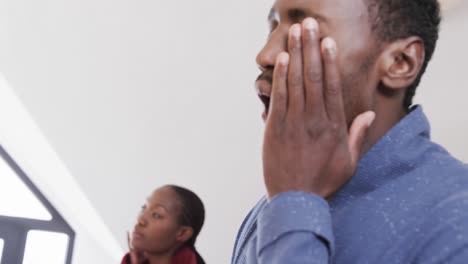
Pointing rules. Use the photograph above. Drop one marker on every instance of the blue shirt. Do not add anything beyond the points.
(406, 203)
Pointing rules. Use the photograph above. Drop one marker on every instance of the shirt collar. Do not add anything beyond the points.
(393, 155)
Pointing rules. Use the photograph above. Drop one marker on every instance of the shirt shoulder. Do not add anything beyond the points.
(247, 230)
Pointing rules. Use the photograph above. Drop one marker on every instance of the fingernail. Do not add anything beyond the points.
(310, 24)
(283, 58)
(371, 119)
(296, 31)
(330, 45)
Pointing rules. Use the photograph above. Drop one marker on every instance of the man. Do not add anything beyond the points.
(351, 173)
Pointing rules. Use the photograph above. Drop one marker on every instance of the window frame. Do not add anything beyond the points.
(14, 230)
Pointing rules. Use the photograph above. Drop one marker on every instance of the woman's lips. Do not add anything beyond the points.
(137, 235)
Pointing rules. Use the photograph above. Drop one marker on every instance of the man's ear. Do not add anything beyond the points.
(184, 233)
(401, 62)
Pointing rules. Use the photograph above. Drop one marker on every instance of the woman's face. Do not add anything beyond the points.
(157, 230)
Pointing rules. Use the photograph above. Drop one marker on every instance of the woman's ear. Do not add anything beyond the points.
(184, 233)
(401, 62)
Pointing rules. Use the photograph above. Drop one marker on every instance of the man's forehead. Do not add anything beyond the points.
(310, 5)
(319, 9)
(293, 13)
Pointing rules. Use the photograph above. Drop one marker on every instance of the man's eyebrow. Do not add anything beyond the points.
(296, 14)
(271, 14)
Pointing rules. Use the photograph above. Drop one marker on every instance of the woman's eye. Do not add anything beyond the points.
(156, 216)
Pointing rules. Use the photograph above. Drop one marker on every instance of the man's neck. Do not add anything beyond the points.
(384, 121)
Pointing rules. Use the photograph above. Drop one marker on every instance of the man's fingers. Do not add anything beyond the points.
(313, 73)
(279, 93)
(333, 89)
(356, 134)
(295, 79)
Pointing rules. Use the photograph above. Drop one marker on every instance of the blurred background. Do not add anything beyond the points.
(132, 95)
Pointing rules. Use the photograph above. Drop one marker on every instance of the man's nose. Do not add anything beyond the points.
(276, 43)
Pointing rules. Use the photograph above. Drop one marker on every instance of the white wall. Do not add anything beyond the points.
(136, 94)
(444, 89)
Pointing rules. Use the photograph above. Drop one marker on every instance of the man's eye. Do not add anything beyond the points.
(273, 25)
(143, 207)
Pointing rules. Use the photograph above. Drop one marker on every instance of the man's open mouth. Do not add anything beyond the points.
(266, 101)
(263, 85)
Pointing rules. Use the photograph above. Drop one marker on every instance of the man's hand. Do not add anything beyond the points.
(307, 145)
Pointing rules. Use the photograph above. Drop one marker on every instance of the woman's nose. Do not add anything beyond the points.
(141, 220)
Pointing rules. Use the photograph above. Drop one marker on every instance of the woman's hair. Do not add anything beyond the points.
(193, 214)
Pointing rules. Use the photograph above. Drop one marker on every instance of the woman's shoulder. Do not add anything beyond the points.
(127, 259)
(185, 256)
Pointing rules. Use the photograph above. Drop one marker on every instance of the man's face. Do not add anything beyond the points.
(348, 23)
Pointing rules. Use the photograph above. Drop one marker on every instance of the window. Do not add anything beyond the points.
(54, 253)
(1, 249)
(16, 199)
(31, 229)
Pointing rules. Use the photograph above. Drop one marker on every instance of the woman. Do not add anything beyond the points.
(167, 228)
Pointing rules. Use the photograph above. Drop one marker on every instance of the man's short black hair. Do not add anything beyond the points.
(398, 19)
